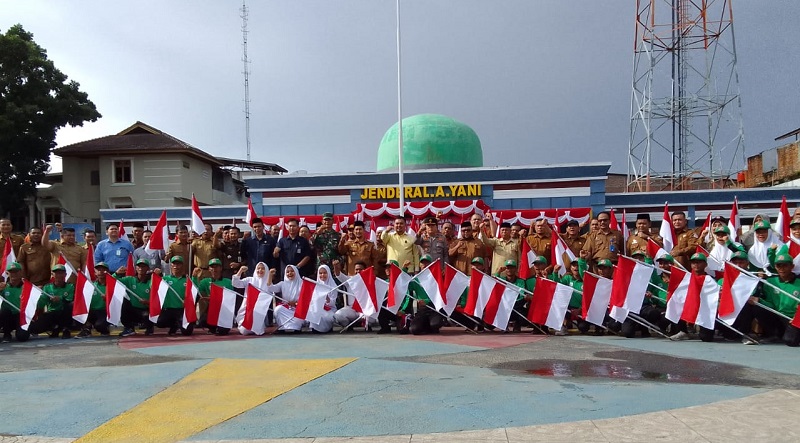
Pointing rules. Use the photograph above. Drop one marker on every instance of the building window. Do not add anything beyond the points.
(52, 215)
(123, 171)
(94, 178)
(218, 180)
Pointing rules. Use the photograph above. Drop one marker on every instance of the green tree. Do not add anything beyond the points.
(35, 101)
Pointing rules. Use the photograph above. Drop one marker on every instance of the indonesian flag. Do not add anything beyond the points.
(793, 246)
(692, 298)
(737, 287)
(528, 257)
(654, 250)
(67, 265)
(88, 270)
(130, 269)
(115, 294)
(714, 266)
(707, 227)
(368, 291)
(8, 256)
(189, 308)
(444, 291)
(782, 224)
(197, 217)
(613, 224)
(549, 303)
(430, 283)
(624, 228)
(667, 231)
(255, 310)
(398, 288)
(158, 292)
(490, 300)
(735, 223)
(282, 228)
(160, 238)
(251, 212)
(629, 287)
(796, 320)
(122, 233)
(221, 305)
(84, 290)
(28, 302)
(558, 248)
(596, 296)
(311, 301)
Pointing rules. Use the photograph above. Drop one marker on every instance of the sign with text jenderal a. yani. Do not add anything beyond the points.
(412, 192)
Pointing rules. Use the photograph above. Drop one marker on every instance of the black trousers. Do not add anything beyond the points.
(426, 321)
(97, 319)
(132, 316)
(9, 318)
(53, 321)
(172, 318)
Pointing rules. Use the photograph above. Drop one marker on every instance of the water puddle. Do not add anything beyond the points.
(610, 370)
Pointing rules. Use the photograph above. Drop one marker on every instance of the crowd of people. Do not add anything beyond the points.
(276, 264)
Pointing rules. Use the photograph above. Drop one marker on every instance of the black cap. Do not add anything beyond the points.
(573, 222)
(358, 223)
(643, 217)
(720, 219)
(505, 225)
(466, 224)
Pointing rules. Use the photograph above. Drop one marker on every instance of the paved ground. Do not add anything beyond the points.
(363, 387)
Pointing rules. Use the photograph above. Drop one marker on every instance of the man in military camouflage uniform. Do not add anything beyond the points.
(326, 241)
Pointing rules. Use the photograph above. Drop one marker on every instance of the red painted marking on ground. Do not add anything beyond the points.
(487, 339)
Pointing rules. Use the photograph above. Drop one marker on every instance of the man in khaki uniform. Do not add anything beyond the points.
(36, 257)
(205, 248)
(357, 249)
(464, 250)
(540, 239)
(5, 235)
(73, 253)
(503, 249)
(685, 239)
(604, 243)
(573, 237)
(180, 247)
(638, 241)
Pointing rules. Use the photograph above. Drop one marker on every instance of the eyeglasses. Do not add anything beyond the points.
(603, 219)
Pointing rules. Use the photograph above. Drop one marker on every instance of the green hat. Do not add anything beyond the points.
(14, 266)
(638, 252)
(698, 256)
(540, 260)
(425, 257)
(795, 221)
(761, 224)
(100, 264)
(59, 267)
(512, 263)
(478, 260)
(394, 262)
(739, 254)
(142, 261)
(605, 262)
(327, 215)
(667, 257)
(215, 262)
(176, 259)
(722, 229)
(783, 258)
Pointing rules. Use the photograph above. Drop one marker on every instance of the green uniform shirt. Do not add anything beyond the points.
(64, 293)
(779, 301)
(576, 300)
(174, 298)
(415, 290)
(98, 297)
(519, 282)
(140, 288)
(204, 286)
(12, 294)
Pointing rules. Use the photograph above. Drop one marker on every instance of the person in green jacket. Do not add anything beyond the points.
(744, 321)
(97, 307)
(136, 307)
(56, 305)
(775, 326)
(204, 288)
(172, 310)
(508, 272)
(426, 320)
(11, 291)
(648, 310)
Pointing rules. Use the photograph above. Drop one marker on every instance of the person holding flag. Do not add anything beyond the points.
(540, 239)
(426, 319)
(605, 243)
(648, 311)
(153, 257)
(686, 239)
(357, 249)
(657, 293)
(574, 279)
(698, 263)
(774, 326)
(638, 241)
(179, 248)
(11, 290)
(258, 281)
(6, 229)
(765, 244)
(748, 312)
(508, 273)
(573, 238)
(97, 306)
(289, 290)
(72, 252)
(463, 251)
(56, 305)
(171, 315)
(205, 247)
(504, 248)
(326, 321)
(136, 306)
(35, 256)
(204, 288)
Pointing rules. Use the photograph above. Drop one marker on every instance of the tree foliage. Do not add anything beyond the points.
(36, 99)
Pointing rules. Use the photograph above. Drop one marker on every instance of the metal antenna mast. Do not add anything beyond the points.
(686, 117)
(246, 78)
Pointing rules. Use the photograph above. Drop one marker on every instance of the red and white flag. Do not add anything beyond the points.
(667, 231)
(737, 287)
(654, 250)
(189, 306)
(707, 227)
(692, 298)
(28, 302)
(714, 267)
(8, 257)
(624, 228)
(595, 299)
(158, 293)
(255, 308)
(88, 269)
(443, 290)
(794, 250)
(613, 223)
(160, 238)
(490, 300)
(84, 290)
(221, 306)
(527, 257)
(368, 291)
(311, 301)
(549, 303)
(251, 212)
(197, 217)
(735, 223)
(398, 288)
(130, 269)
(115, 295)
(629, 287)
(430, 282)
(67, 265)
(782, 224)
(122, 233)
(558, 248)
(796, 320)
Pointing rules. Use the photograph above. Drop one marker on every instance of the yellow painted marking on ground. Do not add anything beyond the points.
(212, 394)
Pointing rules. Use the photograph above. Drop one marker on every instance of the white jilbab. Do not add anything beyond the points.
(326, 320)
(289, 289)
(259, 280)
(758, 252)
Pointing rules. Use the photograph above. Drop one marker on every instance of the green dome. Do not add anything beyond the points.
(431, 141)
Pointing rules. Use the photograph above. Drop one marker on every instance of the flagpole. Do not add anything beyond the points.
(12, 304)
(742, 334)
(400, 119)
(641, 321)
(443, 315)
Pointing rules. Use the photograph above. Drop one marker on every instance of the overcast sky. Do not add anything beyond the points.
(540, 81)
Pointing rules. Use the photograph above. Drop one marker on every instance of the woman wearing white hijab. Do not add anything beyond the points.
(327, 319)
(763, 240)
(259, 280)
(289, 290)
